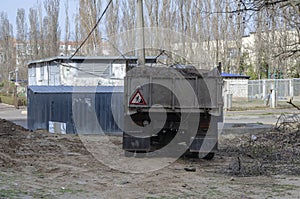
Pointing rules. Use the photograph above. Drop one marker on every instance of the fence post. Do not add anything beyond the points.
(16, 104)
(264, 89)
(273, 103)
(227, 96)
(291, 87)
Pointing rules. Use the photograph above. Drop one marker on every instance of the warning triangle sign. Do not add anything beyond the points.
(138, 99)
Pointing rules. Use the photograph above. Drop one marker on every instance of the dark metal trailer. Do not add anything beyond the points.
(172, 111)
(75, 110)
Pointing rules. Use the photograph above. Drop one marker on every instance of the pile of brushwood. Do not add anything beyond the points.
(269, 153)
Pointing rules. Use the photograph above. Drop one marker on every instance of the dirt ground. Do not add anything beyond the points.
(43, 165)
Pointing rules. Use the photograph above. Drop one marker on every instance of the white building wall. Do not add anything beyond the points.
(57, 74)
(54, 75)
(237, 87)
(32, 76)
(67, 75)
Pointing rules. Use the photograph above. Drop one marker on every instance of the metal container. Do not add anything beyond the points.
(82, 110)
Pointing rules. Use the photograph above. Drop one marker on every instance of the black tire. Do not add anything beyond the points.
(193, 155)
(140, 154)
(128, 154)
(209, 156)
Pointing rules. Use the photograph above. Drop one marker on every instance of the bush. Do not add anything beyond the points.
(22, 101)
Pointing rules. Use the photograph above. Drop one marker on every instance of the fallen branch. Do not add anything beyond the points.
(294, 105)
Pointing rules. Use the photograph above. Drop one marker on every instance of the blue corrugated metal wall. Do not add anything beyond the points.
(83, 109)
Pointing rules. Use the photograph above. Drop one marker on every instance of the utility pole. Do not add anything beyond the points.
(140, 34)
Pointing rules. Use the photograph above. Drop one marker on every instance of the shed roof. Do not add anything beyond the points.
(230, 75)
(80, 59)
(76, 89)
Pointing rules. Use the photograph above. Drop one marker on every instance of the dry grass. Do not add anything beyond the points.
(240, 105)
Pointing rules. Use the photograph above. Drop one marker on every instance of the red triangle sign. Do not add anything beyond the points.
(138, 99)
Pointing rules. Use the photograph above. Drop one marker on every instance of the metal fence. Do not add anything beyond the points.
(285, 88)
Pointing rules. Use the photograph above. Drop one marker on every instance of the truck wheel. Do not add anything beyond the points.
(140, 154)
(128, 153)
(193, 154)
(209, 156)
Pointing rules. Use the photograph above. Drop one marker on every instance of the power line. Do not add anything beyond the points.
(114, 47)
(92, 30)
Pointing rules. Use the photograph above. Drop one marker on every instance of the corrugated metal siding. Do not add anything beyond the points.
(83, 109)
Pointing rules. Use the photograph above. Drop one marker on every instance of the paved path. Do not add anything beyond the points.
(234, 121)
(18, 116)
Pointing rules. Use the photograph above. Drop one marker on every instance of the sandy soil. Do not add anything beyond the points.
(43, 165)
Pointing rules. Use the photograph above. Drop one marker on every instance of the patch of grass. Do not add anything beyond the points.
(71, 191)
(161, 197)
(250, 193)
(41, 193)
(242, 105)
(184, 195)
(284, 187)
(11, 193)
(22, 101)
(7, 99)
(213, 192)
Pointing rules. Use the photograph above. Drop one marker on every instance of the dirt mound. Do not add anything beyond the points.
(276, 152)
(43, 165)
(8, 144)
(7, 127)
(20, 147)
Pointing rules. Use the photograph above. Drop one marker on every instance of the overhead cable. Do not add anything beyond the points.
(96, 25)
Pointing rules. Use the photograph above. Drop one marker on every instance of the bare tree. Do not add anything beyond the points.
(67, 29)
(112, 27)
(53, 35)
(21, 43)
(88, 16)
(7, 50)
(33, 34)
(78, 35)
(126, 26)
(277, 10)
(217, 27)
